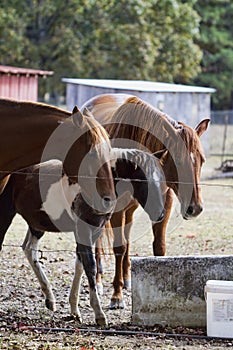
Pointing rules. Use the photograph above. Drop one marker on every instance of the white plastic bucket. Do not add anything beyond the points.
(219, 308)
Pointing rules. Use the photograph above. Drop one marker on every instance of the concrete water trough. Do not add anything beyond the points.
(170, 290)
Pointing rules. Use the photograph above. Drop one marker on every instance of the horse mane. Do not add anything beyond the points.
(139, 121)
(145, 160)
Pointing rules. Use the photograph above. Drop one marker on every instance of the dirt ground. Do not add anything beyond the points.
(22, 303)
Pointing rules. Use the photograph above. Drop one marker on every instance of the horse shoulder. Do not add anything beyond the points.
(59, 198)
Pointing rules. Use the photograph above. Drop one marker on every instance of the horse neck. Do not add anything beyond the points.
(123, 169)
(155, 134)
(127, 136)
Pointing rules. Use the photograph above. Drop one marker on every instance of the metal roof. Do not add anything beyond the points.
(24, 71)
(138, 85)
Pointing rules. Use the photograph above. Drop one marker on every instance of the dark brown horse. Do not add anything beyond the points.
(132, 122)
(136, 175)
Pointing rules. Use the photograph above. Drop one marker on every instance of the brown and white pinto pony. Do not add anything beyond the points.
(132, 122)
(136, 175)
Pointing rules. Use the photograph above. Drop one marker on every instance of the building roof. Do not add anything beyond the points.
(24, 71)
(138, 85)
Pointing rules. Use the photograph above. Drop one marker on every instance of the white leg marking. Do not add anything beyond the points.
(100, 288)
(30, 248)
(75, 290)
(100, 317)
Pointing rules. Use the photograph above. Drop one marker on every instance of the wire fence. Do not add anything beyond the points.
(221, 144)
(221, 134)
(21, 298)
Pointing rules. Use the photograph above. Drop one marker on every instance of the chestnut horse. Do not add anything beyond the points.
(34, 132)
(132, 122)
(22, 195)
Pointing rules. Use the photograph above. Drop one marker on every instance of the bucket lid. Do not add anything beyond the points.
(217, 286)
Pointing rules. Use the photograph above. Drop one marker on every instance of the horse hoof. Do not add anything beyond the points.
(102, 321)
(117, 304)
(100, 288)
(50, 304)
(77, 317)
(127, 284)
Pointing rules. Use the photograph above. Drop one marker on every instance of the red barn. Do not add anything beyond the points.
(20, 83)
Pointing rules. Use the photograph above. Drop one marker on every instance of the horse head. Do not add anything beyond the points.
(83, 146)
(140, 174)
(182, 165)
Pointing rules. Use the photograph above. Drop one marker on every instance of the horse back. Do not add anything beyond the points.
(104, 106)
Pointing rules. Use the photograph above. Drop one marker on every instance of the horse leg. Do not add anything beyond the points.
(159, 228)
(86, 256)
(119, 248)
(7, 211)
(99, 251)
(30, 248)
(99, 266)
(5, 221)
(75, 289)
(126, 261)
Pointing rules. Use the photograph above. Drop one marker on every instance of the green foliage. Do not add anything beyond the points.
(121, 39)
(12, 38)
(217, 46)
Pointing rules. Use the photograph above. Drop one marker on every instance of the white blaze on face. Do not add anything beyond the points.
(156, 177)
(60, 197)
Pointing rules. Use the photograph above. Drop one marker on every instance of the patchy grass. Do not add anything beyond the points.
(209, 233)
(22, 301)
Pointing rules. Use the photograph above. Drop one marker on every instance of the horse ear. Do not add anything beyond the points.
(202, 126)
(77, 117)
(161, 153)
(87, 113)
(75, 110)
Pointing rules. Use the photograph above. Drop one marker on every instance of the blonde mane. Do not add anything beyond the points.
(139, 121)
(144, 160)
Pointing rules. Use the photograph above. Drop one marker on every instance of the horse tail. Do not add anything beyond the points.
(108, 234)
(105, 240)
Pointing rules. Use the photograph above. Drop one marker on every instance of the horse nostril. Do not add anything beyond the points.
(190, 210)
(107, 201)
(162, 215)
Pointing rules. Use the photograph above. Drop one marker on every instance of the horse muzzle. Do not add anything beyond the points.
(160, 217)
(192, 211)
(108, 204)
(104, 205)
